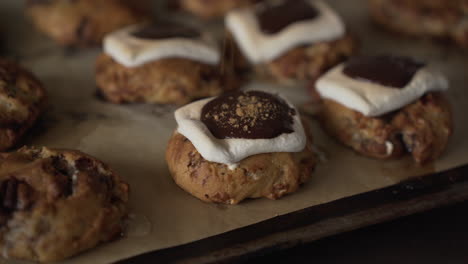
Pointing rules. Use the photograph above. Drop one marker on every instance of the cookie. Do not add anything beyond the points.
(290, 41)
(209, 9)
(307, 63)
(434, 18)
(386, 106)
(240, 145)
(23, 98)
(82, 22)
(164, 63)
(421, 129)
(57, 203)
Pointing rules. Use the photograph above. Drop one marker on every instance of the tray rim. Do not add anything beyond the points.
(410, 196)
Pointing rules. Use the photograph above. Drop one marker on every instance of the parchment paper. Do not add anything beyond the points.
(132, 138)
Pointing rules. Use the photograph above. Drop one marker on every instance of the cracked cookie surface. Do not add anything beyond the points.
(421, 128)
(22, 99)
(57, 203)
(167, 81)
(270, 175)
(433, 18)
(310, 61)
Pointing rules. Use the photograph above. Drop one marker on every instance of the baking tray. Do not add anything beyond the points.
(347, 191)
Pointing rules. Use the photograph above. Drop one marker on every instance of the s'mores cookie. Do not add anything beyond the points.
(290, 40)
(431, 18)
(386, 106)
(161, 62)
(82, 22)
(240, 145)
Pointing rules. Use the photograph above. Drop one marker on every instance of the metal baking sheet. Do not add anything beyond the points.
(132, 138)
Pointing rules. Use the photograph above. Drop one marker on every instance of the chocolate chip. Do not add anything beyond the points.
(14, 195)
(8, 194)
(84, 164)
(209, 75)
(81, 29)
(100, 95)
(64, 168)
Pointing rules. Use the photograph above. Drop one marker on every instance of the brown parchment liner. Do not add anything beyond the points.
(132, 138)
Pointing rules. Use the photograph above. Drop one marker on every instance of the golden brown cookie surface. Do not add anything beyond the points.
(171, 80)
(421, 128)
(433, 18)
(309, 62)
(270, 175)
(81, 22)
(22, 100)
(57, 203)
(303, 63)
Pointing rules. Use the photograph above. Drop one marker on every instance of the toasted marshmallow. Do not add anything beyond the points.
(374, 99)
(259, 47)
(132, 51)
(230, 151)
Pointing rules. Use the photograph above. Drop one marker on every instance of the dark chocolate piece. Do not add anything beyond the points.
(274, 18)
(8, 190)
(83, 27)
(14, 195)
(249, 115)
(392, 71)
(164, 30)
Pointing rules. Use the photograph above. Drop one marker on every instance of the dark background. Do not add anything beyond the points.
(436, 236)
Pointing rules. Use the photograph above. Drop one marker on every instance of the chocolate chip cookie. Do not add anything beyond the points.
(431, 18)
(23, 98)
(57, 203)
(82, 22)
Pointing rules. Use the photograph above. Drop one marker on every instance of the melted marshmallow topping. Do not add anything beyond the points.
(376, 85)
(139, 44)
(271, 28)
(234, 126)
